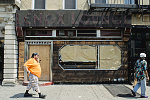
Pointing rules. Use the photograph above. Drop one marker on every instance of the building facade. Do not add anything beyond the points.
(80, 41)
(8, 42)
(140, 31)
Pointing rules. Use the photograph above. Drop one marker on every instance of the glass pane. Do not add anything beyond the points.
(39, 33)
(100, 1)
(65, 32)
(86, 33)
(110, 32)
(70, 4)
(147, 35)
(39, 4)
(129, 1)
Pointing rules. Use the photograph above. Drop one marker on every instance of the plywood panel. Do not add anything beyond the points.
(44, 55)
(79, 53)
(110, 57)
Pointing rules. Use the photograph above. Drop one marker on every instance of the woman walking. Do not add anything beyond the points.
(33, 69)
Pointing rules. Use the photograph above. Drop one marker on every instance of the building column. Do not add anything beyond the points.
(10, 54)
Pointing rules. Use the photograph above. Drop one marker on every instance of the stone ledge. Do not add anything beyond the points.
(9, 82)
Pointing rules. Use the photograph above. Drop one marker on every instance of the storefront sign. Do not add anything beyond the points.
(71, 18)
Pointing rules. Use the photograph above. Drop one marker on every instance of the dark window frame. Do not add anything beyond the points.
(72, 6)
(38, 4)
(108, 33)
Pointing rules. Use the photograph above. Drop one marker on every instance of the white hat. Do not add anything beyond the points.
(142, 55)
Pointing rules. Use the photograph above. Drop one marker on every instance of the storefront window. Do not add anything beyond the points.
(86, 33)
(78, 57)
(111, 33)
(68, 33)
(39, 33)
(99, 57)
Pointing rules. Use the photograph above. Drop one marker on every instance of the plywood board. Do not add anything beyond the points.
(44, 55)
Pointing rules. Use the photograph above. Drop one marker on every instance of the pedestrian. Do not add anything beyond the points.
(33, 69)
(141, 74)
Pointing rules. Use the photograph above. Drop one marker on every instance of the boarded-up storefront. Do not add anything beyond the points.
(90, 61)
(76, 46)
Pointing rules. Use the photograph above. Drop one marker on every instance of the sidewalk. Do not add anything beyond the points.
(66, 92)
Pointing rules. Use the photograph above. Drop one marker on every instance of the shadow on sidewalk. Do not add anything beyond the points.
(21, 95)
(119, 90)
(127, 96)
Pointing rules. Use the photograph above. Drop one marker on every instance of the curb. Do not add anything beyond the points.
(25, 83)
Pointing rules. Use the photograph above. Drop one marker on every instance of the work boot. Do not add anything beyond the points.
(134, 94)
(42, 96)
(27, 95)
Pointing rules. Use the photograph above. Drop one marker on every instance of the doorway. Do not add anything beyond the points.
(139, 43)
(44, 56)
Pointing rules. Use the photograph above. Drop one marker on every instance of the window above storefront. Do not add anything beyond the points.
(39, 4)
(70, 4)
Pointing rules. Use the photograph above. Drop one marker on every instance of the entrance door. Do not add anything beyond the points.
(139, 43)
(44, 56)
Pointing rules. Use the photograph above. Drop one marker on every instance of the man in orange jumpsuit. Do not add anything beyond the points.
(33, 69)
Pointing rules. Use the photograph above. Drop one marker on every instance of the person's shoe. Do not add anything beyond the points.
(134, 94)
(144, 96)
(27, 95)
(42, 96)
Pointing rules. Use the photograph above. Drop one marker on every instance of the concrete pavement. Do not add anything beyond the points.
(65, 92)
